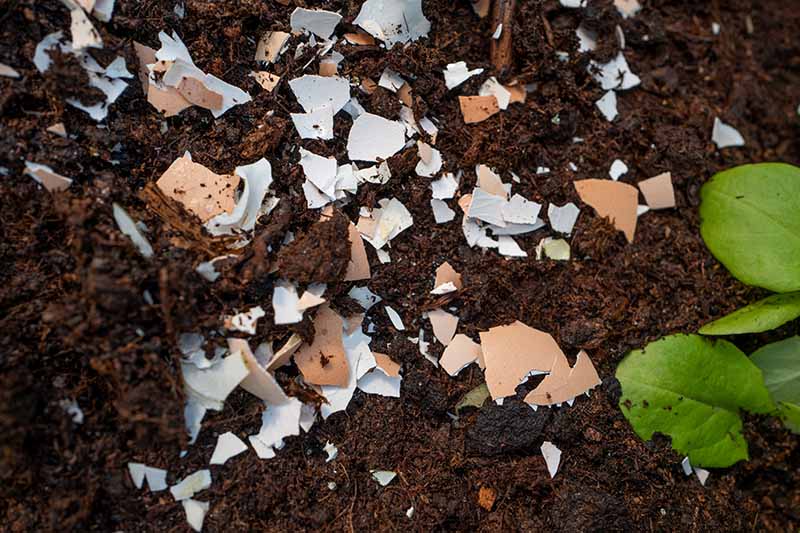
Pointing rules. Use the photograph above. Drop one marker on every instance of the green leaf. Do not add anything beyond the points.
(474, 398)
(780, 364)
(691, 389)
(790, 414)
(751, 223)
(763, 315)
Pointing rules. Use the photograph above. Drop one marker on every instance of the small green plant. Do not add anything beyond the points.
(692, 388)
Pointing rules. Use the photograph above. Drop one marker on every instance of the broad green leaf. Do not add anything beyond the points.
(790, 414)
(763, 315)
(780, 364)
(750, 220)
(691, 389)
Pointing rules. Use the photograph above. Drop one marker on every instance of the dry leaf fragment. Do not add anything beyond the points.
(198, 94)
(198, 189)
(658, 191)
(487, 497)
(460, 353)
(323, 362)
(512, 352)
(444, 325)
(613, 199)
(477, 108)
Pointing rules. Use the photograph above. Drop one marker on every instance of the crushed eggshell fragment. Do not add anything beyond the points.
(564, 384)
(267, 80)
(191, 485)
(552, 457)
(476, 109)
(198, 189)
(460, 353)
(725, 135)
(271, 45)
(444, 325)
(613, 199)
(47, 177)
(658, 191)
(258, 382)
(317, 21)
(457, 73)
(228, 445)
(323, 362)
(446, 274)
(511, 352)
(393, 21)
(374, 138)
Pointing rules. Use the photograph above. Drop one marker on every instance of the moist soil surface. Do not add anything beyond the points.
(83, 316)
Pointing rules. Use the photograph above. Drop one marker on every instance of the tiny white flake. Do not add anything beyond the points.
(552, 456)
(616, 74)
(497, 31)
(284, 302)
(331, 450)
(383, 477)
(397, 322)
(457, 73)
(618, 169)
(725, 136)
(608, 105)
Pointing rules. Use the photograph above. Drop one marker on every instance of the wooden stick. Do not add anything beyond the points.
(501, 51)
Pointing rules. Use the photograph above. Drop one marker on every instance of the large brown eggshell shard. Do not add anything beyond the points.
(658, 191)
(201, 191)
(490, 182)
(167, 101)
(564, 384)
(358, 266)
(198, 94)
(461, 352)
(512, 352)
(446, 273)
(478, 108)
(258, 382)
(613, 199)
(323, 362)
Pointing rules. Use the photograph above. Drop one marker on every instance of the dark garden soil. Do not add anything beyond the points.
(74, 323)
